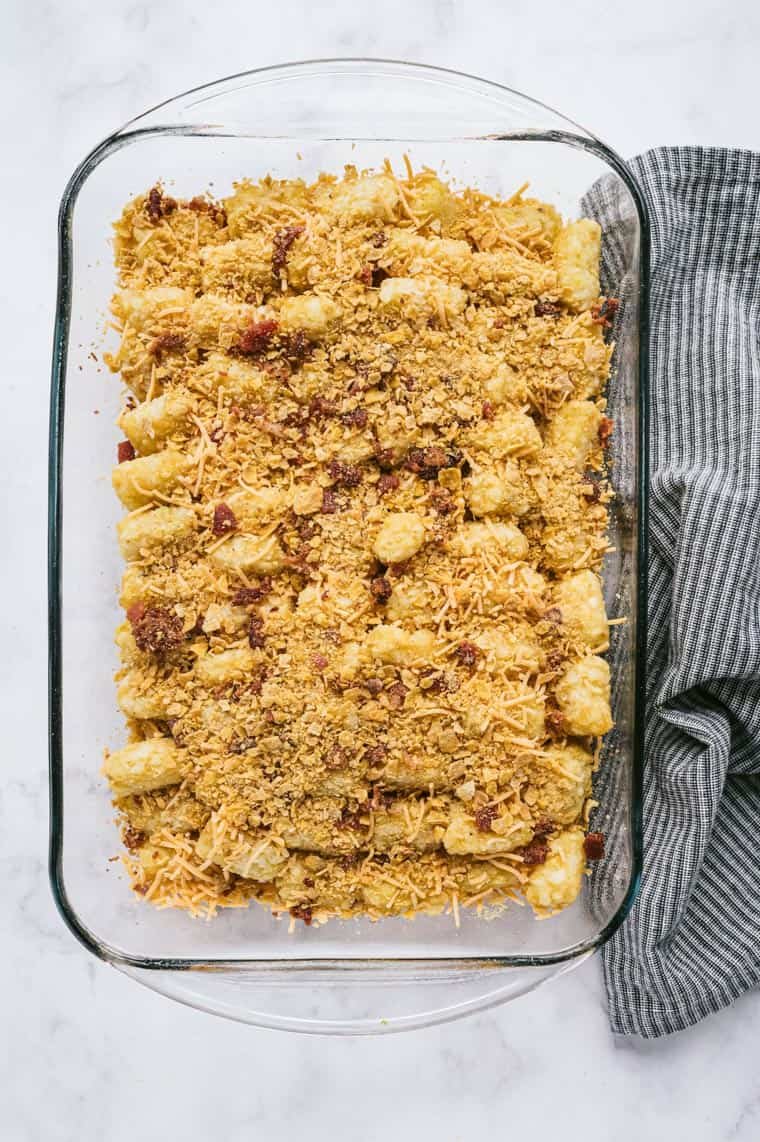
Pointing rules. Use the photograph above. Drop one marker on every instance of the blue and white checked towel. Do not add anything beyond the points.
(692, 942)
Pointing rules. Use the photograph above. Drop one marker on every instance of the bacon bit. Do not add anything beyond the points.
(553, 615)
(158, 630)
(593, 846)
(375, 686)
(603, 313)
(487, 411)
(302, 912)
(387, 483)
(605, 431)
(136, 612)
(485, 817)
(356, 418)
(319, 661)
(378, 799)
(534, 853)
(125, 451)
(345, 475)
(203, 206)
(254, 340)
(306, 528)
(397, 695)
(321, 406)
(408, 382)
(442, 502)
(337, 758)
(398, 569)
(427, 462)
(167, 343)
(330, 503)
(224, 520)
(547, 308)
(349, 819)
(376, 754)
(217, 434)
(245, 596)
(296, 346)
(365, 275)
(256, 637)
(467, 654)
(157, 206)
(591, 489)
(134, 838)
(281, 244)
(379, 239)
(385, 458)
(543, 827)
(555, 722)
(433, 681)
(380, 589)
(257, 682)
(554, 659)
(308, 882)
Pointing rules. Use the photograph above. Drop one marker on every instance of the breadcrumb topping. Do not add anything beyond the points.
(364, 474)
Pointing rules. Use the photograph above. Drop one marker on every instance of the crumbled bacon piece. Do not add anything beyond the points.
(296, 346)
(306, 527)
(603, 313)
(356, 418)
(387, 483)
(281, 244)
(375, 686)
(322, 407)
(224, 520)
(398, 569)
(545, 308)
(553, 615)
(136, 612)
(376, 754)
(337, 758)
(256, 637)
(302, 912)
(554, 659)
(349, 818)
(591, 489)
(442, 502)
(319, 661)
(379, 239)
(158, 205)
(385, 458)
(254, 340)
(605, 431)
(380, 589)
(467, 654)
(203, 206)
(157, 630)
(397, 695)
(427, 462)
(345, 475)
(167, 343)
(555, 722)
(487, 411)
(365, 275)
(543, 827)
(245, 596)
(485, 817)
(378, 799)
(330, 503)
(535, 852)
(593, 846)
(125, 451)
(134, 838)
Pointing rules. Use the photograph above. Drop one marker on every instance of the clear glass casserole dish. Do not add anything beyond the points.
(350, 976)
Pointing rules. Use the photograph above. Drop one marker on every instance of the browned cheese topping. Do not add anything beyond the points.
(364, 478)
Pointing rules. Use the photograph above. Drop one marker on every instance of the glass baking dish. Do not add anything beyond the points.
(295, 120)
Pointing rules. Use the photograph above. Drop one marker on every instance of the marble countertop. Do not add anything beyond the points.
(85, 1053)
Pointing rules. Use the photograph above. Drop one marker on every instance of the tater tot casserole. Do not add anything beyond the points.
(364, 474)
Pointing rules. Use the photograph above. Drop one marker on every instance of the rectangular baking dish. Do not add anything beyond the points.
(294, 121)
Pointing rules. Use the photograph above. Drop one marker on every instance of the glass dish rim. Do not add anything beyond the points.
(132, 132)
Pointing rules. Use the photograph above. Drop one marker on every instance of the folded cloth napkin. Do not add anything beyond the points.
(692, 942)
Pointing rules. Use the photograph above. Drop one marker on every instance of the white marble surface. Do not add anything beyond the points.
(86, 1054)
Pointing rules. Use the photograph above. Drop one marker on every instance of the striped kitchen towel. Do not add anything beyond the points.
(692, 942)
